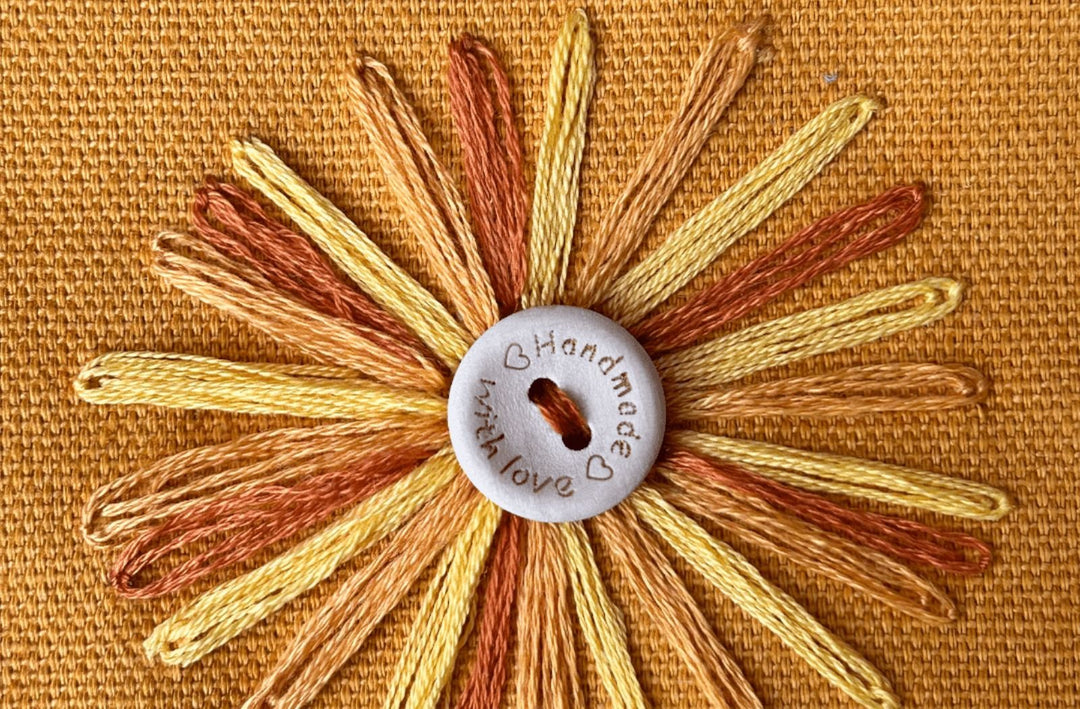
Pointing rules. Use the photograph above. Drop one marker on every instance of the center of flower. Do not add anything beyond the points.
(556, 413)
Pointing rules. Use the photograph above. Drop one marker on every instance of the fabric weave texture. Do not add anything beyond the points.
(110, 114)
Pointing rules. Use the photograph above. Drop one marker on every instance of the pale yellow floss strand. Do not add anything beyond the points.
(352, 250)
(601, 622)
(193, 382)
(854, 477)
(738, 579)
(426, 194)
(742, 207)
(226, 611)
(558, 162)
(426, 663)
(852, 322)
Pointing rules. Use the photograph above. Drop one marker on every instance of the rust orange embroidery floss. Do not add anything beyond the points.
(905, 540)
(824, 246)
(382, 469)
(252, 519)
(491, 153)
(494, 628)
(237, 226)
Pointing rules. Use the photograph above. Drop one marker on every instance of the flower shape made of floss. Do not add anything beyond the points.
(380, 469)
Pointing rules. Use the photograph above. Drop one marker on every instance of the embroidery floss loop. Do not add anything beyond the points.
(387, 347)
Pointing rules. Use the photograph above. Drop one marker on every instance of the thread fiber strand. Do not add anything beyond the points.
(425, 193)
(561, 412)
(492, 156)
(854, 477)
(426, 662)
(747, 203)
(825, 246)
(833, 557)
(487, 677)
(600, 621)
(229, 220)
(545, 668)
(856, 321)
(341, 625)
(875, 388)
(351, 249)
(192, 382)
(140, 500)
(226, 611)
(673, 609)
(907, 540)
(202, 272)
(558, 162)
(239, 524)
(716, 77)
(737, 578)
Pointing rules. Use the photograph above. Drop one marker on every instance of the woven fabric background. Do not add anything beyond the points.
(111, 113)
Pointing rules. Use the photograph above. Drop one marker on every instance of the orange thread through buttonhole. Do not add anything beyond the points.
(561, 413)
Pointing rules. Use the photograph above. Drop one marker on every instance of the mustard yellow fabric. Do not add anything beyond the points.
(111, 112)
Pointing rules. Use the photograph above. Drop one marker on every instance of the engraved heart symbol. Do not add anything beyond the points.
(515, 357)
(598, 469)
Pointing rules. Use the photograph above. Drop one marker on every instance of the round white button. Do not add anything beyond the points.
(510, 451)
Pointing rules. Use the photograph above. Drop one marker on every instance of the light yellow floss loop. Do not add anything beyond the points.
(747, 203)
(193, 382)
(558, 162)
(855, 477)
(351, 249)
(774, 343)
(600, 621)
(236, 605)
(426, 663)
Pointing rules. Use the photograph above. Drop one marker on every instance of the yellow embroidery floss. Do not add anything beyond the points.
(386, 282)
(344, 622)
(855, 321)
(715, 79)
(601, 622)
(221, 614)
(854, 477)
(742, 583)
(558, 162)
(425, 664)
(742, 207)
(193, 382)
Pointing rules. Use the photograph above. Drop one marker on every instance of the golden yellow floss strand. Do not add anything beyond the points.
(855, 321)
(545, 674)
(854, 477)
(343, 623)
(352, 250)
(742, 207)
(558, 162)
(204, 273)
(427, 660)
(427, 195)
(193, 382)
(738, 579)
(715, 78)
(226, 611)
(666, 600)
(601, 622)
